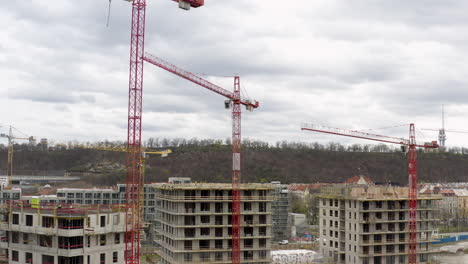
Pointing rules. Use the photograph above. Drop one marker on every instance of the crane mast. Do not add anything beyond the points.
(412, 171)
(236, 100)
(135, 101)
(134, 180)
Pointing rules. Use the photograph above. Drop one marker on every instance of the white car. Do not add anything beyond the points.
(283, 242)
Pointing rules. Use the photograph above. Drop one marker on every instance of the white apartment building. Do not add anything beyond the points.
(370, 224)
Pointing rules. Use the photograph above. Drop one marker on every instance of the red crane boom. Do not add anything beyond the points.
(412, 170)
(237, 101)
(134, 179)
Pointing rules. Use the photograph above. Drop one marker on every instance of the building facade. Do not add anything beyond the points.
(280, 208)
(9, 194)
(370, 225)
(194, 222)
(62, 234)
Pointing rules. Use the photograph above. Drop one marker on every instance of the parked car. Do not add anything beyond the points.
(283, 242)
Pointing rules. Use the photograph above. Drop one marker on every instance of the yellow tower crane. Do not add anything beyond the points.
(144, 154)
(11, 139)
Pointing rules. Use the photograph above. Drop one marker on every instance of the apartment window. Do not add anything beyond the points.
(189, 220)
(248, 243)
(218, 232)
(25, 238)
(262, 243)
(89, 241)
(188, 257)
(204, 244)
(204, 207)
(15, 219)
(205, 256)
(188, 245)
(262, 219)
(88, 195)
(248, 231)
(218, 256)
(248, 219)
(47, 222)
(218, 207)
(205, 219)
(262, 254)
(103, 220)
(248, 255)
(247, 206)
(102, 240)
(14, 255)
(28, 256)
(70, 242)
(189, 232)
(204, 231)
(117, 238)
(262, 231)
(103, 258)
(218, 244)
(219, 220)
(115, 257)
(14, 237)
(46, 259)
(29, 220)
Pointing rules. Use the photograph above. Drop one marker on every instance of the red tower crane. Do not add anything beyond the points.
(134, 181)
(412, 170)
(236, 100)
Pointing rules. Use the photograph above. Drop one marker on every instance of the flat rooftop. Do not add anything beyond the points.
(371, 192)
(212, 186)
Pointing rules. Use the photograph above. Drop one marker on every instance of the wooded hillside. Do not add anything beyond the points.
(210, 161)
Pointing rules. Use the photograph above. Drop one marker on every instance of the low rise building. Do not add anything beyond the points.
(62, 233)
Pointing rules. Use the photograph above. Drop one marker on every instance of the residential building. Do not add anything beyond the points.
(280, 208)
(62, 233)
(370, 224)
(9, 194)
(194, 222)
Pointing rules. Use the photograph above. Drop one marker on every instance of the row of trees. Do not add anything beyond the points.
(195, 143)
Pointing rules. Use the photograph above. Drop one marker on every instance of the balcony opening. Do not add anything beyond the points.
(29, 220)
(219, 220)
(248, 243)
(204, 231)
(47, 222)
(45, 241)
(218, 244)
(70, 242)
(205, 219)
(218, 232)
(205, 207)
(64, 223)
(204, 244)
(28, 256)
(248, 231)
(189, 220)
(188, 244)
(218, 208)
(189, 232)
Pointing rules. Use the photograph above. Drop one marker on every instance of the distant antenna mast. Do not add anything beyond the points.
(108, 13)
(442, 136)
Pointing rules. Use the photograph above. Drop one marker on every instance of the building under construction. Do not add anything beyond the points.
(62, 233)
(370, 224)
(194, 222)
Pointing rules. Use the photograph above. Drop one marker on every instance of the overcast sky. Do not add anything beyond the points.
(352, 64)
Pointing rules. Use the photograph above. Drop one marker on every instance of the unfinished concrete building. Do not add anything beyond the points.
(370, 224)
(194, 222)
(62, 234)
(281, 228)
